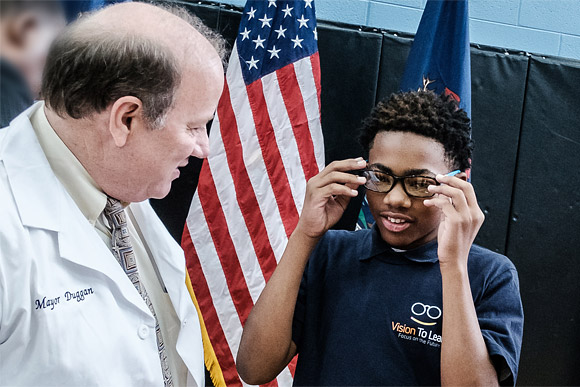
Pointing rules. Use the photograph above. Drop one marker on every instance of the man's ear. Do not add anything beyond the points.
(20, 27)
(125, 116)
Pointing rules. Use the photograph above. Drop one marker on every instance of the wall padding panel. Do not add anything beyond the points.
(544, 231)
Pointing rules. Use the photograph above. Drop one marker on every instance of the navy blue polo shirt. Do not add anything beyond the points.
(368, 315)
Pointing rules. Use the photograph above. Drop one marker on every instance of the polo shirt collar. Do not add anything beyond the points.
(382, 250)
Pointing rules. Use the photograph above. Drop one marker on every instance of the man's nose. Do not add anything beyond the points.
(397, 197)
(201, 147)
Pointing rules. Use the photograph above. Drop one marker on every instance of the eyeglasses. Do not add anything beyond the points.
(414, 185)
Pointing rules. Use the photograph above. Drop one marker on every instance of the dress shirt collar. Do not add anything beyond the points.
(80, 185)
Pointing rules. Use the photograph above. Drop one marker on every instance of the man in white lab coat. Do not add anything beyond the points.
(128, 92)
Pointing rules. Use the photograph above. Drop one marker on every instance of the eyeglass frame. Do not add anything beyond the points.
(397, 179)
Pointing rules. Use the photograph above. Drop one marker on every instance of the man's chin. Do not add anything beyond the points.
(160, 193)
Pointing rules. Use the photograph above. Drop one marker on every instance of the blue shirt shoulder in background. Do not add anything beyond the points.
(368, 315)
(15, 95)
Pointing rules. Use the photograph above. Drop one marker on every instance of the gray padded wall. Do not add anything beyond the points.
(544, 226)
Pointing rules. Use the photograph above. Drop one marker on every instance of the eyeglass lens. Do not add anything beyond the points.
(414, 185)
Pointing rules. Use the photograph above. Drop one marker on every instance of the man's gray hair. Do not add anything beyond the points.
(86, 72)
(216, 40)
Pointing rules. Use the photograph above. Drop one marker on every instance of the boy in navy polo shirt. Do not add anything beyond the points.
(411, 301)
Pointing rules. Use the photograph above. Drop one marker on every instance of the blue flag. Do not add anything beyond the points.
(439, 60)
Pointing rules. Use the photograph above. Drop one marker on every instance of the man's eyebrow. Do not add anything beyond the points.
(408, 172)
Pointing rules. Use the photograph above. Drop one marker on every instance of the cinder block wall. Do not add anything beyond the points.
(545, 27)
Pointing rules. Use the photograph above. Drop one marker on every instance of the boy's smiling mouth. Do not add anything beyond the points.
(395, 222)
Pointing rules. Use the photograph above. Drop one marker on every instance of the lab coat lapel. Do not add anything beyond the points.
(44, 203)
(170, 260)
(28, 175)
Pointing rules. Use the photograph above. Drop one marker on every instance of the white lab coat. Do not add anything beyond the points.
(68, 313)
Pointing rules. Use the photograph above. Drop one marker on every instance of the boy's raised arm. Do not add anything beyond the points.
(464, 356)
(266, 346)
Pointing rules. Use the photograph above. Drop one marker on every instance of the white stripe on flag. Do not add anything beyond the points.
(284, 378)
(285, 139)
(303, 69)
(238, 231)
(214, 275)
(253, 159)
(217, 285)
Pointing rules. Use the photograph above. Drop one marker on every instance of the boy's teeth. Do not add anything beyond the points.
(393, 220)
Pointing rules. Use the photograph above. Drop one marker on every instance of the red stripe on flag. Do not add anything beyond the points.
(315, 62)
(209, 314)
(243, 186)
(292, 365)
(294, 102)
(224, 246)
(272, 158)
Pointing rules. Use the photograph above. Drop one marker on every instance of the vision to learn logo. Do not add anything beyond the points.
(422, 314)
(430, 312)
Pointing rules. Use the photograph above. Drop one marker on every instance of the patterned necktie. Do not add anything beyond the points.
(123, 251)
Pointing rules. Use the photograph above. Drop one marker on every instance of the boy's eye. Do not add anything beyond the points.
(420, 183)
(381, 177)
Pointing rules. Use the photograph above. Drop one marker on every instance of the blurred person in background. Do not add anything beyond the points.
(27, 28)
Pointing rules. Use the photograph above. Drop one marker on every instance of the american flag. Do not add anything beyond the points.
(265, 143)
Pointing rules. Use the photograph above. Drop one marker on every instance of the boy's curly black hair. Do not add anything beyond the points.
(427, 114)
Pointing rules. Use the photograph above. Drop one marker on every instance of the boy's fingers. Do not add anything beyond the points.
(442, 202)
(461, 184)
(340, 177)
(344, 166)
(336, 189)
(454, 195)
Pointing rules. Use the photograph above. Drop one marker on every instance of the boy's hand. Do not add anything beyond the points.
(461, 219)
(327, 195)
